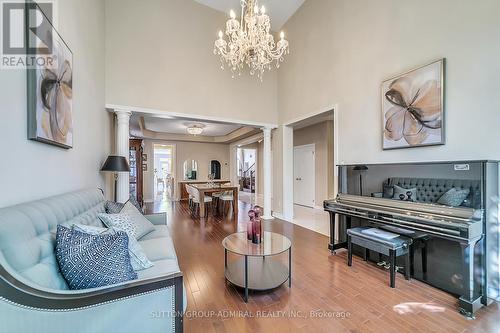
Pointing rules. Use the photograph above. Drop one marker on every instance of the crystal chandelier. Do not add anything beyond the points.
(249, 41)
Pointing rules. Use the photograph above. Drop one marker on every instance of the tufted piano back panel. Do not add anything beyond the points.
(28, 231)
(430, 190)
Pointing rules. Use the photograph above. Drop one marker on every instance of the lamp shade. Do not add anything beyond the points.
(116, 164)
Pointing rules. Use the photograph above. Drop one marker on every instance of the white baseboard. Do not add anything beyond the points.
(311, 207)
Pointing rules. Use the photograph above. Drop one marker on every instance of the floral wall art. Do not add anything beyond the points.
(412, 107)
(50, 92)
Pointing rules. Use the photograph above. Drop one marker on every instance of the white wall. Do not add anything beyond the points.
(30, 170)
(159, 55)
(341, 51)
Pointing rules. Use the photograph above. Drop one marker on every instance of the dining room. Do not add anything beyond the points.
(192, 162)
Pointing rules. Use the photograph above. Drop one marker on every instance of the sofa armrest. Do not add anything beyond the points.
(157, 219)
(17, 292)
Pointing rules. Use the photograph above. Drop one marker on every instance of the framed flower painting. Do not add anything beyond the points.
(50, 88)
(413, 108)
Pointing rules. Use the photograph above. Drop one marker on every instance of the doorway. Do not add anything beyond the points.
(319, 130)
(163, 172)
(304, 175)
(248, 167)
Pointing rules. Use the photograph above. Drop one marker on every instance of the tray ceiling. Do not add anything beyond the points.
(179, 126)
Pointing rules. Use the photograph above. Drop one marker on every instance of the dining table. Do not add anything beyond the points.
(207, 189)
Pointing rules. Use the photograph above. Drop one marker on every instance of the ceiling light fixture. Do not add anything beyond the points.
(249, 41)
(195, 129)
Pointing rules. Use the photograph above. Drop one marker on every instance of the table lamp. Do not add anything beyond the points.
(116, 164)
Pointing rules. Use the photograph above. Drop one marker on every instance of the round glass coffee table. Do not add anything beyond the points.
(258, 267)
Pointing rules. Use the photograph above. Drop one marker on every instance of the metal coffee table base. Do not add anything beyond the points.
(258, 273)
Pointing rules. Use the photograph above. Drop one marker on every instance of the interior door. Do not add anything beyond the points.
(304, 175)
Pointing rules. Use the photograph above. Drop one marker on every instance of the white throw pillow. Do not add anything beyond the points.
(405, 194)
(138, 258)
(120, 221)
(143, 225)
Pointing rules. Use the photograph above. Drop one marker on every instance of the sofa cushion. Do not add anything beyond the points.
(91, 261)
(158, 248)
(160, 231)
(144, 226)
(138, 258)
(161, 268)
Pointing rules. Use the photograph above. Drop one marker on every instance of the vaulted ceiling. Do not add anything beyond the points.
(279, 10)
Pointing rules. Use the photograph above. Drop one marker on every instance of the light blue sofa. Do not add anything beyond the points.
(34, 297)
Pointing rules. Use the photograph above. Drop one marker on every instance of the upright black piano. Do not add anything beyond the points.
(452, 206)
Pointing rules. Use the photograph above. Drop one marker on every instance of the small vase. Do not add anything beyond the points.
(258, 221)
(251, 225)
(258, 211)
(258, 232)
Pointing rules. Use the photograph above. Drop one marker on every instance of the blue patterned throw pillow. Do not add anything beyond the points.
(112, 207)
(91, 261)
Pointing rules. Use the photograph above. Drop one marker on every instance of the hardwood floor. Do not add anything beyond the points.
(349, 299)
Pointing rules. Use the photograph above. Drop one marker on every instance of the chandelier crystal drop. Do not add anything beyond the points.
(250, 42)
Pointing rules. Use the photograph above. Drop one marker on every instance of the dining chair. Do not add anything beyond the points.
(196, 200)
(227, 201)
(216, 198)
(190, 190)
(190, 196)
(162, 182)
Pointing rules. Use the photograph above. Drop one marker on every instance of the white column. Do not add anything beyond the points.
(287, 172)
(122, 149)
(233, 165)
(267, 174)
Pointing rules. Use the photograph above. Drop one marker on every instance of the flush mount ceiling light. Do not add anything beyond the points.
(249, 41)
(195, 129)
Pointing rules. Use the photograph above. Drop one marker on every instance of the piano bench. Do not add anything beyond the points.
(399, 246)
